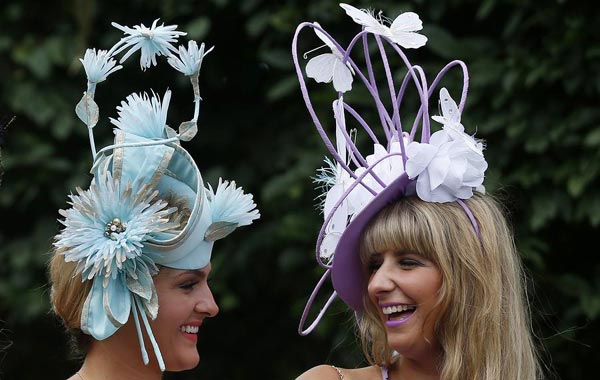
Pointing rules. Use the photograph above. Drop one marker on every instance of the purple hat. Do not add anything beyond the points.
(444, 166)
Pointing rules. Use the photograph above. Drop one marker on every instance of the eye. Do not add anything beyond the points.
(374, 264)
(188, 285)
(410, 263)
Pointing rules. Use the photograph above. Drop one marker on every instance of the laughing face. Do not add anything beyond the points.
(185, 300)
(403, 287)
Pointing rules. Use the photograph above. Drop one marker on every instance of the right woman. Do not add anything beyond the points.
(412, 243)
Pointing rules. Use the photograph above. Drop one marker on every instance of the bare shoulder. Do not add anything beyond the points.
(321, 372)
(327, 372)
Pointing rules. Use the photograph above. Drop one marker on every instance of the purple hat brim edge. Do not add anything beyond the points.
(346, 270)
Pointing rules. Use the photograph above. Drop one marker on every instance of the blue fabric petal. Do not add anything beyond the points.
(117, 301)
(94, 318)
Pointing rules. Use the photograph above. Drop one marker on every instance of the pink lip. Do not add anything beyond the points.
(192, 337)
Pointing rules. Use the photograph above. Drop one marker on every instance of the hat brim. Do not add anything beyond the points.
(346, 271)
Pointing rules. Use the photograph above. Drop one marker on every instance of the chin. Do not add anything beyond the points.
(183, 362)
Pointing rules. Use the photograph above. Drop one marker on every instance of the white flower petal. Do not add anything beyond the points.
(438, 170)
(328, 246)
(419, 156)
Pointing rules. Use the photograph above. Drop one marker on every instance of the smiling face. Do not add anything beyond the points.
(185, 300)
(403, 287)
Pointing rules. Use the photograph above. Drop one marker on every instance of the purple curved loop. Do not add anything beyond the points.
(328, 144)
(471, 218)
(436, 81)
(356, 157)
(358, 181)
(362, 122)
(309, 303)
(465, 89)
(390, 83)
(326, 140)
(421, 87)
(425, 130)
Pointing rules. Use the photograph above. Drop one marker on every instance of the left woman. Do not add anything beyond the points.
(130, 267)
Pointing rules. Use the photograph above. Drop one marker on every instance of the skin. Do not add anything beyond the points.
(410, 279)
(404, 278)
(184, 298)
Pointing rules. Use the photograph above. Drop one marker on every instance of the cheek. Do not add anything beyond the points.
(172, 311)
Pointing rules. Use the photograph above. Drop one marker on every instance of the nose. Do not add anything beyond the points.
(206, 304)
(381, 281)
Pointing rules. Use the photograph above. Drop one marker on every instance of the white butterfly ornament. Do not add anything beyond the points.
(330, 66)
(403, 30)
(450, 120)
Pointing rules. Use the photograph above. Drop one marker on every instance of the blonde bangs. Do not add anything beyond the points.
(403, 226)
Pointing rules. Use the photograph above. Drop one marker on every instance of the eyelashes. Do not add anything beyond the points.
(406, 263)
(188, 285)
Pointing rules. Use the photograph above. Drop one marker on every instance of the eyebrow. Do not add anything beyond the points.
(195, 272)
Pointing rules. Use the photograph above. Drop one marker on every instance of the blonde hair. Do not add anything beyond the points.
(484, 324)
(68, 292)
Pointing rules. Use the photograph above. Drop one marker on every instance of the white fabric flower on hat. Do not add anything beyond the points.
(446, 169)
(340, 182)
(337, 181)
(152, 41)
(388, 170)
(98, 65)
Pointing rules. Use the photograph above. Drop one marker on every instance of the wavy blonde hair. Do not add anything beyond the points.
(484, 324)
(68, 292)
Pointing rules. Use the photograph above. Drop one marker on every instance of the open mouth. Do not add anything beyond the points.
(190, 332)
(398, 313)
(188, 329)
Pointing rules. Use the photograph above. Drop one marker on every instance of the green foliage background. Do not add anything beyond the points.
(535, 81)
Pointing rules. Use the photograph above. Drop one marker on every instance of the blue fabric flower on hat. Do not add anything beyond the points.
(98, 65)
(189, 61)
(152, 41)
(104, 234)
(143, 116)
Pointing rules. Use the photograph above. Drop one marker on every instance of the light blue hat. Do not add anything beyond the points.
(121, 228)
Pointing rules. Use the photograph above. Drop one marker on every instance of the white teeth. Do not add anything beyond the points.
(190, 329)
(397, 308)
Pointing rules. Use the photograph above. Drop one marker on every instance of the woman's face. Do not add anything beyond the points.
(403, 287)
(185, 300)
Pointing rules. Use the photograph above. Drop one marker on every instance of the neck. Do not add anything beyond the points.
(422, 369)
(106, 361)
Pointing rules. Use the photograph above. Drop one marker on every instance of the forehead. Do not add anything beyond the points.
(167, 272)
